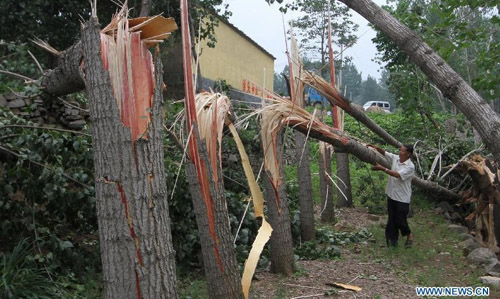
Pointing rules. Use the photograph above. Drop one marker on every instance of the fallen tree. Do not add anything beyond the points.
(301, 120)
(482, 117)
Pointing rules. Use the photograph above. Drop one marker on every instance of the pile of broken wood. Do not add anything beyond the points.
(484, 193)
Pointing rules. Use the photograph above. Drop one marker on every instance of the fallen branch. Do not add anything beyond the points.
(305, 287)
(44, 128)
(26, 79)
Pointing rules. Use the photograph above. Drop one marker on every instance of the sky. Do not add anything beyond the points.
(264, 24)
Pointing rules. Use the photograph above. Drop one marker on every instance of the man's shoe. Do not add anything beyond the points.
(392, 243)
(409, 242)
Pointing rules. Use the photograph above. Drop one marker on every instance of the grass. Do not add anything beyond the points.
(192, 288)
(435, 260)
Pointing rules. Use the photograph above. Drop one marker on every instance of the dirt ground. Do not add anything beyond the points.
(376, 280)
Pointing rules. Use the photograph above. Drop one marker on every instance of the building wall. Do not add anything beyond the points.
(237, 60)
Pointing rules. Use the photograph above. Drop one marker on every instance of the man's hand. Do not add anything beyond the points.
(378, 149)
(379, 167)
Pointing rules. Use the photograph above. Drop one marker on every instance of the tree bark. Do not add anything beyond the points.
(306, 205)
(145, 8)
(219, 256)
(281, 253)
(326, 185)
(363, 153)
(470, 103)
(67, 77)
(344, 194)
(132, 210)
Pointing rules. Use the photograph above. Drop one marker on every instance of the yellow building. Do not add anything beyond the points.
(238, 60)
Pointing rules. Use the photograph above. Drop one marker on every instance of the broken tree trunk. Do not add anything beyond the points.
(67, 76)
(132, 211)
(219, 256)
(306, 203)
(353, 110)
(349, 145)
(484, 194)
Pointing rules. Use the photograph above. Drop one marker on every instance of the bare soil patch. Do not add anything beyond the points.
(376, 279)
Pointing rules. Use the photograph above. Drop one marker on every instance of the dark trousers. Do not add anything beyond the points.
(397, 221)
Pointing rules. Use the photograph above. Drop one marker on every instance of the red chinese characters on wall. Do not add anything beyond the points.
(249, 87)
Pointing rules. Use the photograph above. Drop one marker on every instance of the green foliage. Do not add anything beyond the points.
(465, 35)
(20, 276)
(192, 288)
(409, 128)
(368, 187)
(328, 243)
(17, 60)
(312, 250)
(221, 85)
(47, 193)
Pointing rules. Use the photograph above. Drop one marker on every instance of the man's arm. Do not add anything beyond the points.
(386, 170)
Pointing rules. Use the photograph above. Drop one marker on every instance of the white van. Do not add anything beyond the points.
(382, 104)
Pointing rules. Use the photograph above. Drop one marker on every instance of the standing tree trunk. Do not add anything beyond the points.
(281, 253)
(306, 204)
(482, 117)
(325, 184)
(344, 194)
(132, 210)
(219, 256)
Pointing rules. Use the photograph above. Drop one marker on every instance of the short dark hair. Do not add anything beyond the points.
(409, 149)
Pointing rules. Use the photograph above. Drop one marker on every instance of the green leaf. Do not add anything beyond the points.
(65, 244)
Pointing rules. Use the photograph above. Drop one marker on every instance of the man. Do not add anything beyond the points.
(398, 192)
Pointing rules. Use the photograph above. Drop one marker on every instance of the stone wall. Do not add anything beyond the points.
(53, 112)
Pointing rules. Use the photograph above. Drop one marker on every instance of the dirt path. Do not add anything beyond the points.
(380, 272)
(375, 279)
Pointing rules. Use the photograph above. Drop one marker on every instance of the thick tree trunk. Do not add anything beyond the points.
(344, 194)
(326, 188)
(132, 210)
(306, 204)
(219, 256)
(363, 153)
(281, 253)
(470, 103)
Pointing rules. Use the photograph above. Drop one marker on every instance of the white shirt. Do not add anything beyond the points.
(399, 189)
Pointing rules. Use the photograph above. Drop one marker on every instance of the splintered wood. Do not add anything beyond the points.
(485, 194)
(213, 112)
(125, 55)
